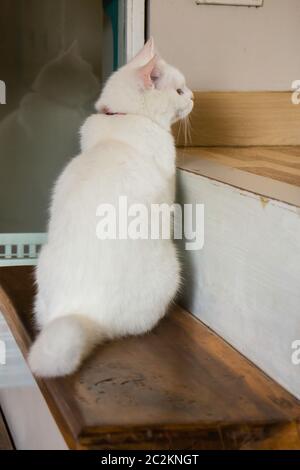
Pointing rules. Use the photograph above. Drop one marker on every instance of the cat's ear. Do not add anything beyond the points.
(145, 54)
(148, 73)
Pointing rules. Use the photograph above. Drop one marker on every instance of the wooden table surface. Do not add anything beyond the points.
(178, 387)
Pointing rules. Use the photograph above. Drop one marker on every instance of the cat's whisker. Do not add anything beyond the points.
(179, 131)
(190, 129)
(190, 121)
(185, 132)
(182, 124)
(187, 127)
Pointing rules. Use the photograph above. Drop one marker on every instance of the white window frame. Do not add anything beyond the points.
(132, 14)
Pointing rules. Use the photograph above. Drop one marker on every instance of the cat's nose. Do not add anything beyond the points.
(192, 96)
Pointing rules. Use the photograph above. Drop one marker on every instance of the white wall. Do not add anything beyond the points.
(244, 283)
(229, 47)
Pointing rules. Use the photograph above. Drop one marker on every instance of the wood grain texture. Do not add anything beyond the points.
(179, 387)
(5, 441)
(272, 172)
(242, 119)
(278, 163)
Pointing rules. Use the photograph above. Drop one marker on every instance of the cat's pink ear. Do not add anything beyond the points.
(147, 72)
(145, 54)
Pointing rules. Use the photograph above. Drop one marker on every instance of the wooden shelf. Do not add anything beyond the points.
(272, 172)
(179, 387)
(5, 441)
(242, 119)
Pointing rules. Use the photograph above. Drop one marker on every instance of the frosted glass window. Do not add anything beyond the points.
(55, 55)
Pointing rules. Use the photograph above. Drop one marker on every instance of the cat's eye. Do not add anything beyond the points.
(180, 91)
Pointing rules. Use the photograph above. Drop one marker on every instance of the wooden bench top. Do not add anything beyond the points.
(271, 172)
(178, 387)
(5, 440)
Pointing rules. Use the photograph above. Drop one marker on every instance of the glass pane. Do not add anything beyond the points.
(55, 54)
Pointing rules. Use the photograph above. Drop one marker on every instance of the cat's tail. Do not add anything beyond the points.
(62, 345)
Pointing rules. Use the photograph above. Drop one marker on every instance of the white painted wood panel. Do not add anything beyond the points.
(26, 411)
(245, 283)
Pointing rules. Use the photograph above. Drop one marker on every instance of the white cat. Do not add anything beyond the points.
(90, 290)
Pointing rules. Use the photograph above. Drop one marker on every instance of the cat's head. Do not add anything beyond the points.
(68, 79)
(147, 86)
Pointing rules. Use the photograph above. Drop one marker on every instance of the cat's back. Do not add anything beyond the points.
(95, 176)
(121, 156)
(118, 149)
(138, 132)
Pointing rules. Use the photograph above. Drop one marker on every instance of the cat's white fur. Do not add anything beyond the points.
(90, 290)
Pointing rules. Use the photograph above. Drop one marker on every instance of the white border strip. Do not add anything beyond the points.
(135, 31)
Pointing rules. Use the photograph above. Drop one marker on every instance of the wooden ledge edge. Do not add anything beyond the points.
(249, 182)
(47, 387)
